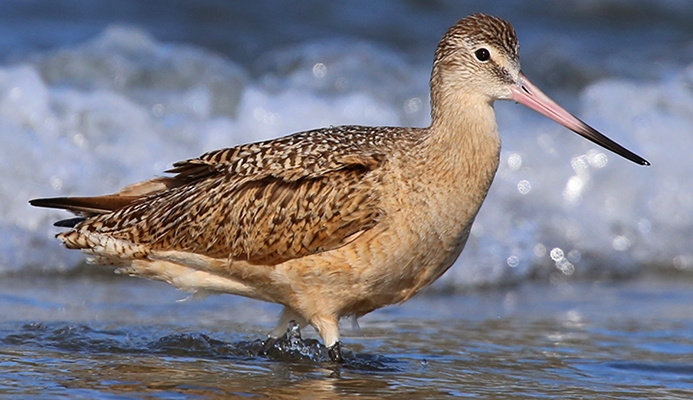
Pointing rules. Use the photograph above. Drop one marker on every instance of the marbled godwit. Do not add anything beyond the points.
(332, 222)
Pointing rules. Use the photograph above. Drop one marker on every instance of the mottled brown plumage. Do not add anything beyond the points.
(332, 222)
(282, 199)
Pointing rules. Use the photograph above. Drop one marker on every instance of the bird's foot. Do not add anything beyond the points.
(291, 342)
(292, 337)
(335, 353)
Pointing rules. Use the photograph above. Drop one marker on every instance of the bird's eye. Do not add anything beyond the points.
(482, 55)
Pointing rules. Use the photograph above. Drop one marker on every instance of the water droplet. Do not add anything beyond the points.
(573, 189)
(158, 109)
(514, 161)
(524, 186)
(56, 183)
(79, 140)
(683, 261)
(565, 266)
(574, 256)
(319, 70)
(579, 164)
(597, 159)
(621, 243)
(413, 105)
(539, 250)
(556, 254)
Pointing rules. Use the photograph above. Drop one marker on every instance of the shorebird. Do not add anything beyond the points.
(331, 222)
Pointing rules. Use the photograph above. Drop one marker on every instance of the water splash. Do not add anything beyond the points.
(289, 348)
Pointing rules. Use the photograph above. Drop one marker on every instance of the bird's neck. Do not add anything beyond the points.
(464, 146)
(464, 133)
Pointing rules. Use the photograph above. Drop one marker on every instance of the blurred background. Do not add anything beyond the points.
(95, 95)
(576, 280)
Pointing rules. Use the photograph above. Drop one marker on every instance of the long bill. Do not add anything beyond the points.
(526, 93)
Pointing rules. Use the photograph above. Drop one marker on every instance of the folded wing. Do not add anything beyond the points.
(265, 202)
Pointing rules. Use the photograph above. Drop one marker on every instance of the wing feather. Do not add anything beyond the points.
(264, 202)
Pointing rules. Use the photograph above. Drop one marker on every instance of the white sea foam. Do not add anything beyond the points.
(89, 119)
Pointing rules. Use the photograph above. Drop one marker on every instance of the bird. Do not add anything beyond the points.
(334, 222)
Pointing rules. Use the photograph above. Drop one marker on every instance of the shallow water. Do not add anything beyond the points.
(127, 338)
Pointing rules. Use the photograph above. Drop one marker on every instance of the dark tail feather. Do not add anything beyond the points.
(85, 206)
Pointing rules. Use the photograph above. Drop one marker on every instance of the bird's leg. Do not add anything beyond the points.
(287, 316)
(355, 325)
(328, 327)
